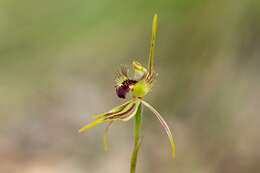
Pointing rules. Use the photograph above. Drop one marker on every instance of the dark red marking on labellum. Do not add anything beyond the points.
(123, 89)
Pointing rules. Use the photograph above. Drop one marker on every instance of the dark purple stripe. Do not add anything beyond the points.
(122, 113)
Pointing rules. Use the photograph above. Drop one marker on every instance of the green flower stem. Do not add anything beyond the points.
(137, 127)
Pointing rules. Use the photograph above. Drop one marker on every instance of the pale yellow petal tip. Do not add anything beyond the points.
(173, 148)
(82, 129)
(155, 16)
(173, 151)
(90, 125)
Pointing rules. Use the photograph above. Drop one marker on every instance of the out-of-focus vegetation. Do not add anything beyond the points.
(57, 64)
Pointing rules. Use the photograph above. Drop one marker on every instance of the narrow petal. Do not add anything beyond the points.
(113, 111)
(132, 114)
(152, 48)
(164, 124)
(100, 118)
(105, 135)
(92, 124)
(123, 112)
(127, 113)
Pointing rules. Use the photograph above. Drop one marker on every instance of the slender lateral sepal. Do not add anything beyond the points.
(152, 48)
(164, 124)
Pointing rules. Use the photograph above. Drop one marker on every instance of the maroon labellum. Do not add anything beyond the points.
(123, 89)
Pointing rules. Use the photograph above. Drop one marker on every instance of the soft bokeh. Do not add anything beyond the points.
(57, 65)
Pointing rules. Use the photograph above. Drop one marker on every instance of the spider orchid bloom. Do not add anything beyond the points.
(137, 87)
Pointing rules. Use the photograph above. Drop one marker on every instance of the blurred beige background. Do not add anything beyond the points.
(57, 65)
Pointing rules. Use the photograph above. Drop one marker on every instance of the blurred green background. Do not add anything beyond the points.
(57, 65)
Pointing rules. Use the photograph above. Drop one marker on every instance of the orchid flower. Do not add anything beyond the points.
(137, 87)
